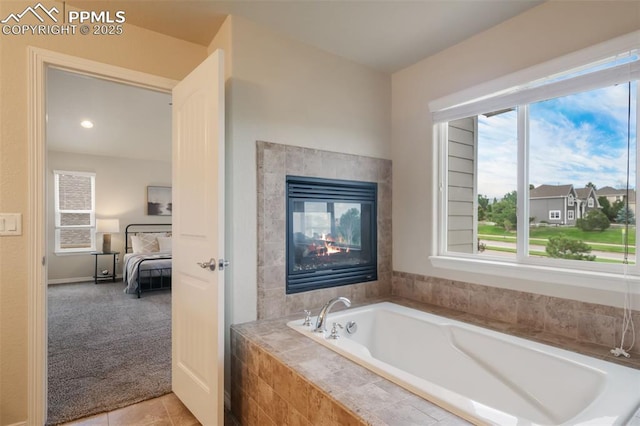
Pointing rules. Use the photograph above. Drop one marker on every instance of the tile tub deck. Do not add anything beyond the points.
(280, 377)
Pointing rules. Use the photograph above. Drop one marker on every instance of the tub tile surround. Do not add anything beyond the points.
(282, 377)
(274, 163)
(582, 327)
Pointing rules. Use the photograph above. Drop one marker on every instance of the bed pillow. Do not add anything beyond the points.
(146, 243)
(164, 244)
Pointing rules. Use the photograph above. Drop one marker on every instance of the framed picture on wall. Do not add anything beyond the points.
(159, 200)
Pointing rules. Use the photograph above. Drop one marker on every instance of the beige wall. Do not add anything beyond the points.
(121, 192)
(289, 93)
(541, 34)
(136, 49)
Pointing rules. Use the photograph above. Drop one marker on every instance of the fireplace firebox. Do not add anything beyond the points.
(331, 233)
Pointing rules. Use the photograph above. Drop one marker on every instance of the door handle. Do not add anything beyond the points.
(211, 264)
(222, 263)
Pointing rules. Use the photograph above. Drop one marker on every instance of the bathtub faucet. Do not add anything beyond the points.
(321, 323)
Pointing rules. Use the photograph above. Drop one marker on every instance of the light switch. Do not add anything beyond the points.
(10, 224)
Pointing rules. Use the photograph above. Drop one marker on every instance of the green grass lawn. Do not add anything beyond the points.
(608, 236)
(544, 254)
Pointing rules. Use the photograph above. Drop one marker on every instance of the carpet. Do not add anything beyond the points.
(107, 349)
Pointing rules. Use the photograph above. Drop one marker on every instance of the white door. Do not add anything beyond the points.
(198, 237)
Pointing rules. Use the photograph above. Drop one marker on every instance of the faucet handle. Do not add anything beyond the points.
(307, 318)
(334, 331)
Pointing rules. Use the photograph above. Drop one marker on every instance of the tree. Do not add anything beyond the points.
(591, 185)
(615, 208)
(606, 208)
(594, 220)
(625, 215)
(503, 212)
(483, 206)
(559, 246)
(349, 226)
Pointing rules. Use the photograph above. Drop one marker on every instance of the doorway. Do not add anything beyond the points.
(198, 229)
(107, 143)
(40, 61)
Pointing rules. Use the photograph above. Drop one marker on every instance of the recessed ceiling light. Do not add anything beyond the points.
(86, 124)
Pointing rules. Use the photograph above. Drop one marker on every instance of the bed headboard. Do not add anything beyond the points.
(142, 228)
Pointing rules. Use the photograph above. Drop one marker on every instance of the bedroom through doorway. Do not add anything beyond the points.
(108, 161)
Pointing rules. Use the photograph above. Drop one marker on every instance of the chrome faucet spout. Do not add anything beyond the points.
(321, 322)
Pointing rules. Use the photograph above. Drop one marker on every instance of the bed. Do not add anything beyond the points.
(147, 258)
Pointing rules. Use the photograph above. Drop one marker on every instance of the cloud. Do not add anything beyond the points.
(573, 140)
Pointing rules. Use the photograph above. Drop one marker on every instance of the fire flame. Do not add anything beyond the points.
(330, 249)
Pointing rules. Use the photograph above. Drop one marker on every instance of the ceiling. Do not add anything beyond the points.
(129, 122)
(386, 35)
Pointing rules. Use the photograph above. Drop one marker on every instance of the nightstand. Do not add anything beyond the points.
(111, 275)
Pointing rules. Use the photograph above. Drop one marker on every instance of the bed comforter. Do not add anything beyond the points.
(153, 264)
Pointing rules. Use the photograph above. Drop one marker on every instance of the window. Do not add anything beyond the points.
(511, 163)
(74, 198)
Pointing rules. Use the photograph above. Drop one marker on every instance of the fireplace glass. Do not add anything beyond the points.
(331, 233)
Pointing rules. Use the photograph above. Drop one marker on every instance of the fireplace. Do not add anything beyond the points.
(331, 233)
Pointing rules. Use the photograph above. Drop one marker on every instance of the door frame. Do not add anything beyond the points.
(37, 332)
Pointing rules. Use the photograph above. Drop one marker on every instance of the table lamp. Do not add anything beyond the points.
(107, 227)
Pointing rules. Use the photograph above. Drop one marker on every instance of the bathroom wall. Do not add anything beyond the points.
(288, 92)
(136, 49)
(274, 163)
(543, 33)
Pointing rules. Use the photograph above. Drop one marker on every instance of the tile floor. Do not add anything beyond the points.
(166, 410)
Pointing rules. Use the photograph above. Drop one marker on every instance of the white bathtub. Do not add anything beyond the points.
(484, 376)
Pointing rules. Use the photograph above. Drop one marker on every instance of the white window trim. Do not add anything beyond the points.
(554, 213)
(571, 215)
(590, 202)
(570, 200)
(57, 212)
(604, 280)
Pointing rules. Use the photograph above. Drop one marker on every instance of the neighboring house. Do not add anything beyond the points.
(614, 195)
(587, 201)
(554, 204)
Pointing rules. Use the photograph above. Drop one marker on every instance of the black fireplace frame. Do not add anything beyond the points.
(301, 188)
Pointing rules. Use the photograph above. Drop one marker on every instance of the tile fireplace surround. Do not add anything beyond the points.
(275, 162)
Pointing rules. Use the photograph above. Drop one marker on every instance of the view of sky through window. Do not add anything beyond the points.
(574, 139)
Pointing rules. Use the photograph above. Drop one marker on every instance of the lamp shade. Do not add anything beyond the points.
(111, 226)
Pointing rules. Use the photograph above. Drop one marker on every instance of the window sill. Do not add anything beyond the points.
(564, 281)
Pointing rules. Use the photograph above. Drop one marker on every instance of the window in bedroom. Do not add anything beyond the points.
(74, 199)
(516, 169)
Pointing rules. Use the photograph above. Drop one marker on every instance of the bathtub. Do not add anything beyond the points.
(481, 375)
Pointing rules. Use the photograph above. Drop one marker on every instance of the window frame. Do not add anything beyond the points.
(462, 104)
(571, 215)
(57, 212)
(552, 215)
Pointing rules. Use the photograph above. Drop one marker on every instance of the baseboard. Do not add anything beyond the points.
(69, 280)
(74, 280)
(19, 424)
